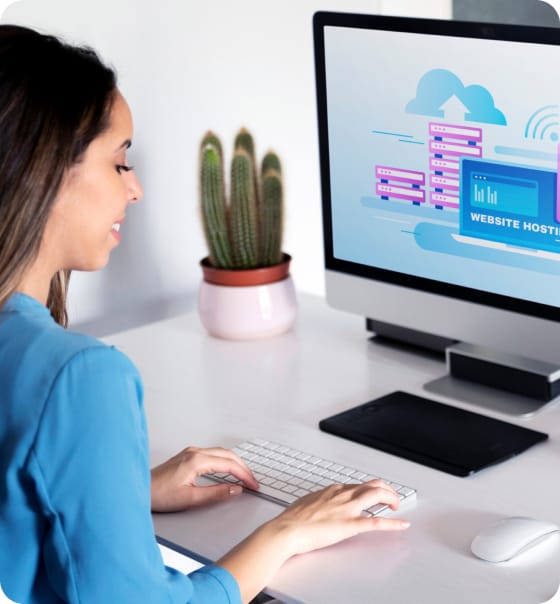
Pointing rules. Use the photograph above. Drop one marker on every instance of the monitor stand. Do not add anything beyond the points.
(495, 380)
(410, 337)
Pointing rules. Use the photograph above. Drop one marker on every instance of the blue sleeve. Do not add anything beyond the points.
(90, 466)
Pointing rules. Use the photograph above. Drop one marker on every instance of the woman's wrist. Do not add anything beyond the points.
(155, 490)
(283, 534)
(255, 561)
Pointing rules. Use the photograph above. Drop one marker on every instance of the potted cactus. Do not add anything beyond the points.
(247, 291)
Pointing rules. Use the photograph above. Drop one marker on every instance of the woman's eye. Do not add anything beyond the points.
(124, 168)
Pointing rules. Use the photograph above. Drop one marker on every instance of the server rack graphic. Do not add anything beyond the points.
(448, 143)
(398, 183)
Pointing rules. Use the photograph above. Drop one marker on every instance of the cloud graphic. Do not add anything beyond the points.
(437, 86)
(4, 5)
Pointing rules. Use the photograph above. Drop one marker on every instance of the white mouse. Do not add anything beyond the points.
(509, 537)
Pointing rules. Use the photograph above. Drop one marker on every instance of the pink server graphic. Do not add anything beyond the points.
(398, 183)
(448, 143)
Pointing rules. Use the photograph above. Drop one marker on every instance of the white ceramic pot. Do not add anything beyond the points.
(264, 305)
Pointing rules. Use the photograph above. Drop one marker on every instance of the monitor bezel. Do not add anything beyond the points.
(463, 29)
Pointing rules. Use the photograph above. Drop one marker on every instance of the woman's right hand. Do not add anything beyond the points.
(335, 513)
(314, 521)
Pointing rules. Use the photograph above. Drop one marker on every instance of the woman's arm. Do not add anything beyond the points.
(312, 522)
(89, 468)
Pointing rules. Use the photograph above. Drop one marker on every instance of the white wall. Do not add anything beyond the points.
(186, 66)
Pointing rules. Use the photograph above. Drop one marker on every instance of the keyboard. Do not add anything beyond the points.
(286, 474)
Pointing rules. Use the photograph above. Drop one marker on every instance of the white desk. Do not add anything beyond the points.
(204, 391)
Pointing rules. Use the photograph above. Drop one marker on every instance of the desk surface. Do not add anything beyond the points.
(204, 391)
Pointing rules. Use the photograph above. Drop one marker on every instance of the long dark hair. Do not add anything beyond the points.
(55, 99)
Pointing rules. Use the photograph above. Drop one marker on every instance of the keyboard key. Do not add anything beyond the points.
(295, 480)
(377, 509)
(406, 491)
(289, 488)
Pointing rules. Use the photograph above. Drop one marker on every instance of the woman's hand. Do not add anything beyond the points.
(335, 513)
(174, 481)
(312, 522)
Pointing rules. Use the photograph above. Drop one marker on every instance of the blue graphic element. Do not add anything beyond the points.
(514, 195)
(544, 124)
(406, 210)
(439, 238)
(437, 86)
(530, 153)
(509, 203)
(392, 133)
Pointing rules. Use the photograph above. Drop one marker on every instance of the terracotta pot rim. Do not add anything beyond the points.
(246, 277)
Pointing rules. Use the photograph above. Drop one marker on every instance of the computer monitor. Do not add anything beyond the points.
(439, 152)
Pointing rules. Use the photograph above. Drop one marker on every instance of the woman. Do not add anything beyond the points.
(75, 486)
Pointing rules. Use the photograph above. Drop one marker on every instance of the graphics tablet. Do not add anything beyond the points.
(434, 434)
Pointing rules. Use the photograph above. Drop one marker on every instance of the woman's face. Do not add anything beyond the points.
(90, 209)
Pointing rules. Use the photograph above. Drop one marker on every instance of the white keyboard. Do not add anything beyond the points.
(286, 474)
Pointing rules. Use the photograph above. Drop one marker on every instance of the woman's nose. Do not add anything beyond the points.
(135, 192)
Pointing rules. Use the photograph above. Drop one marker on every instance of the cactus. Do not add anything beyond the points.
(271, 217)
(247, 231)
(244, 141)
(211, 139)
(243, 211)
(213, 209)
(271, 160)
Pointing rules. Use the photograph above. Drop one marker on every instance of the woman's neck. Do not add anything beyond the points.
(36, 281)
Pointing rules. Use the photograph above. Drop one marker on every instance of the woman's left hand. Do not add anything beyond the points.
(174, 485)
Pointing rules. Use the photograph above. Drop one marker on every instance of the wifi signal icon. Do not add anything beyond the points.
(544, 124)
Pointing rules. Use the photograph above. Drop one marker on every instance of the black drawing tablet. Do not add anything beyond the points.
(440, 436)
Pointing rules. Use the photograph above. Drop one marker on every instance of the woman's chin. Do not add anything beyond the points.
(91, 266)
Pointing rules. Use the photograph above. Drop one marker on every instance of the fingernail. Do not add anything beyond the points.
(405, 523)
(235, 490)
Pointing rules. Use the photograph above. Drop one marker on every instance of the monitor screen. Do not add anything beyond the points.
(440, 147)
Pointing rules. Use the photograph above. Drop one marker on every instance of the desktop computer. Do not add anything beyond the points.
(439, 151)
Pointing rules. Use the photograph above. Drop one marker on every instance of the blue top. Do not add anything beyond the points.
(75, 523)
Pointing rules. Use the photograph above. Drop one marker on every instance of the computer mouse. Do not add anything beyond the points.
(509, 537)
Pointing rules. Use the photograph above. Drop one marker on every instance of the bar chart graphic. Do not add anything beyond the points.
(500, 187)
(485, 195)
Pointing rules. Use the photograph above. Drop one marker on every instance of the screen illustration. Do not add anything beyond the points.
(444, 159)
